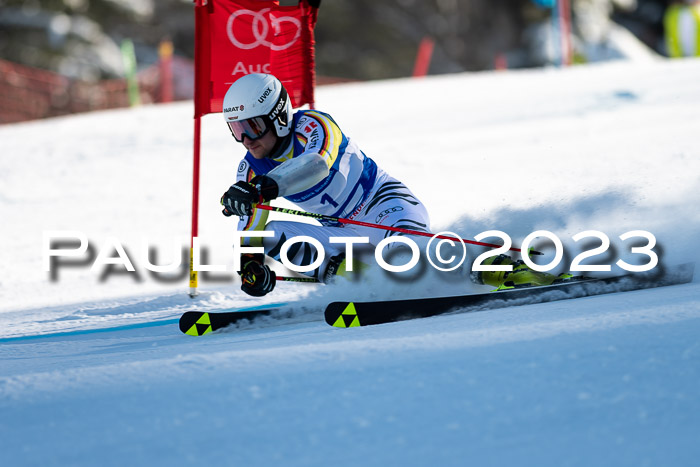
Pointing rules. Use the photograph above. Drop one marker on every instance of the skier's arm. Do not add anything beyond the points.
(299, 174)
(257, 279)
(322, 141)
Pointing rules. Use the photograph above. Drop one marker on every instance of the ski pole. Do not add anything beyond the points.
(296, 279)
(384, 227)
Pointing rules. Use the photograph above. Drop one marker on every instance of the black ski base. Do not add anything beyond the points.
(353, 314)
(198, 323)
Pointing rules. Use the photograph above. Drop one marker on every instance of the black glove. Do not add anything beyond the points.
(258, 279)
(239, 199)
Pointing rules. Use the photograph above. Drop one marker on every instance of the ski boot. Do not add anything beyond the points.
(520, 276)
(337, 266)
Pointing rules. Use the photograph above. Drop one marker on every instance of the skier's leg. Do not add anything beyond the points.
(392, 204)
(304, 253)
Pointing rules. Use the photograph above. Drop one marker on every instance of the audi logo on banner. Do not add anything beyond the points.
(260, 28)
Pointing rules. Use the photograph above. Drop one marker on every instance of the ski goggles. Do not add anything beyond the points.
(253, 128)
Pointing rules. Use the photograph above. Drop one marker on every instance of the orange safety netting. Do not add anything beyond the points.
(28, 93)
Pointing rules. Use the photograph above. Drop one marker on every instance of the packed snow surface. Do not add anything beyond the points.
(94, 371)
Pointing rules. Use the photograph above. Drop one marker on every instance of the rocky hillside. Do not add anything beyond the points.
(359, 39)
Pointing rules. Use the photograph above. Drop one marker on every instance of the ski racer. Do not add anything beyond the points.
(305, 158)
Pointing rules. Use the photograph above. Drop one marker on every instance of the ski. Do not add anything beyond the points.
(199, 323)
(353, 314)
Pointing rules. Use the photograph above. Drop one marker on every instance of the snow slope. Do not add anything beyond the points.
(93, 370)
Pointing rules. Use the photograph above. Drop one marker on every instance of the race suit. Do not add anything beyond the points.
(355, 188)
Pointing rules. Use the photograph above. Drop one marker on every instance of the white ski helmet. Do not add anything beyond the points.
(254, 104)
